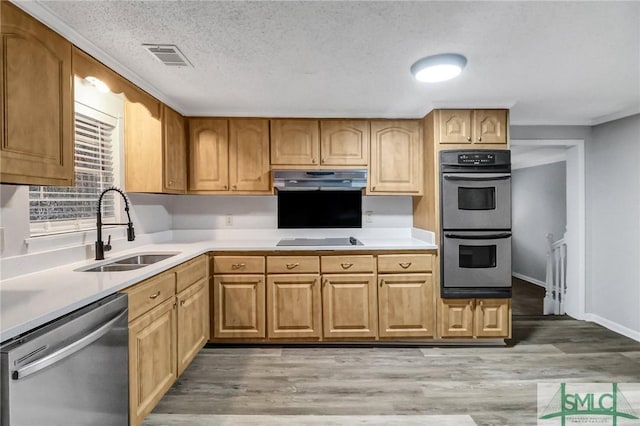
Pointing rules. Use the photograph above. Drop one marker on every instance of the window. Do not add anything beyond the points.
(54, 209)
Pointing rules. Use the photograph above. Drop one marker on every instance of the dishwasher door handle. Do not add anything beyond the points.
(67, 351)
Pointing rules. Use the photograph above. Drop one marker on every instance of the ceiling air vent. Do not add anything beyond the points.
(168, 54)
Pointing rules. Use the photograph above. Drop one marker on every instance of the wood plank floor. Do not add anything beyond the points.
(396, 385)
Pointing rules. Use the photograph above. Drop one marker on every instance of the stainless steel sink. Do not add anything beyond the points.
(129, 263)
(144, 259)
(113, 267)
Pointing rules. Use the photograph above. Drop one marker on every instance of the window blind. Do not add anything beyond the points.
(59, 209)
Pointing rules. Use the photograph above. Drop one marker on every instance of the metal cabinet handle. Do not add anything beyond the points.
(346, 265)
(471, 302)
(373, 188)
(235, 186)
(292, 265)
(324, 283)
(155, 295)
(481, 303)
(182, 302)
(226, 187)
(67, 351)
(479, 138)
(469, 138)
(314, 282)
(381, 283)
(238, 266)
(404, 265)
(322, 161)
(313, 160)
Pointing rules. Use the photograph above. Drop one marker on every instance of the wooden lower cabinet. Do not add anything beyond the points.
(475, 318)
(239, 306)
(349, 306)
(152, 359)
(493, 318)
(456, 317)
(293, 306)
(406, 305)
(193, 322)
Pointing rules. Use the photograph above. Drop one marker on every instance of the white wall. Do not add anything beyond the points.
(539, 208)
(260, 212)
(613, 223)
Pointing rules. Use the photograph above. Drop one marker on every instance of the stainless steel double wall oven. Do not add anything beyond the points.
(475, 191)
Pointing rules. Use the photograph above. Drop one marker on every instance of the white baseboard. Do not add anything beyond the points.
(529, 279)
(614, 326)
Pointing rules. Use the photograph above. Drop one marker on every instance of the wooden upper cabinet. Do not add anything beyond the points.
(344, 142)
(455, 126)
(396, 157)
(174, 137)
(249, 155)
(209, 153)
(490, 126)
(143, 148)
(466, 126)
(295, 142)
(36, 100)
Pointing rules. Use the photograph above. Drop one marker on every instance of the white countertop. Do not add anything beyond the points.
(31, 300)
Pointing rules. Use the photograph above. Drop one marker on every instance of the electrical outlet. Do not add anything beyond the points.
(369, 216)
(228, 220)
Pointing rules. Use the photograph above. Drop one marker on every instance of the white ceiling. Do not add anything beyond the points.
(550, 62)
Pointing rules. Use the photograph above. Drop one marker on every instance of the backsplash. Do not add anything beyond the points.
(259, 212)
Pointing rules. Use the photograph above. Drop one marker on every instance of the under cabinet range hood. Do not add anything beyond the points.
(309, 180)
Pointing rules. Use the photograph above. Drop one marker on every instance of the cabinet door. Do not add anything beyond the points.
(238, 306)
(396, 158)
(36, 100)
(175, 151)
(143, 148)
(193, 322)
(349, 305)
(456, 318)
(492, 318)
(490, 126)
(249, 155)
(295, 142)
(208, 154)
(293, 306)
(152, 359)
(344, 142)
(454, 126)
(406, 305)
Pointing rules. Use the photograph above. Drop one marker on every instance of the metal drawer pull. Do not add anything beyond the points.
(292, 265)
(404, 265)
(238, 266)
(346, 265)
(381, 282)
(155, 295)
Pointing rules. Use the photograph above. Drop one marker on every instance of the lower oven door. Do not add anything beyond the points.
(475, 260)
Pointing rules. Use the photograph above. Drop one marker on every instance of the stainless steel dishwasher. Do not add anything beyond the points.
(73, 371)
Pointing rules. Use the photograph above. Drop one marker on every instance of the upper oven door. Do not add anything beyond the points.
(476, 201)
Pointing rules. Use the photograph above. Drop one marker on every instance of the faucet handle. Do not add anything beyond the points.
(107, 246)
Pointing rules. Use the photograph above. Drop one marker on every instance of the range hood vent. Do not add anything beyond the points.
(168, 54)
(303, 180)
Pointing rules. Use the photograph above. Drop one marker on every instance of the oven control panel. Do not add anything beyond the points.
(476, 158)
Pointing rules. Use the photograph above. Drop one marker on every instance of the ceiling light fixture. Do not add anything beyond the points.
(433, 69)
(98, 84)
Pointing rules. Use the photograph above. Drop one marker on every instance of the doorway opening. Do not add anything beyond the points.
(549, 206)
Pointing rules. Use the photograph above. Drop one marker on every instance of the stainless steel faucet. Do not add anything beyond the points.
(131, 235)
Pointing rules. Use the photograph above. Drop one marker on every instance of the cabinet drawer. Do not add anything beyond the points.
(405, 263)
(348, 264)
(190, 272)
(150, 293)
(238, 265)
(293, 264)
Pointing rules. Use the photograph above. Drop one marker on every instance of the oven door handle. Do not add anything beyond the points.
(477, 178)
(68, 350)
(479, 237)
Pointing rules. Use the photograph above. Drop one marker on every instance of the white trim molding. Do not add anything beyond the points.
(614, 326)
(529, 279)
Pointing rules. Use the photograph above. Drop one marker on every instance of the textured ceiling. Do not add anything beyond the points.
(551, 62)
